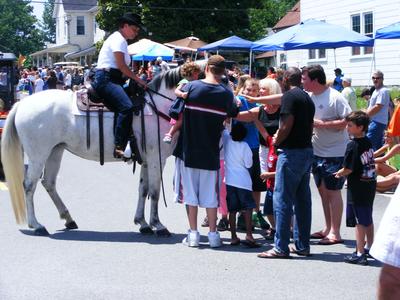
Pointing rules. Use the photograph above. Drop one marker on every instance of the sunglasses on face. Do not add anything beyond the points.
(376, 78)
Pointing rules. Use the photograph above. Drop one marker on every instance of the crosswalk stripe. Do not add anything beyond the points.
(3, 186)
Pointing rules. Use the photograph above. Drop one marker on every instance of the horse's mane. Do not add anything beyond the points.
(172, 77)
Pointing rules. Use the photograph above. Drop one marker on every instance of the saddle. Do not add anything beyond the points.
(89, 101)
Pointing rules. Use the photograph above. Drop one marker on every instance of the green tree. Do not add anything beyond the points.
(48, 25)
(266, 14)
(17, 28)
(210, 20)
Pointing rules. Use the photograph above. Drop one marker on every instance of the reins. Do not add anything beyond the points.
(159, 94)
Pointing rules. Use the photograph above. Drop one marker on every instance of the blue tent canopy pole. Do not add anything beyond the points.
(334, 55)
(250, 61)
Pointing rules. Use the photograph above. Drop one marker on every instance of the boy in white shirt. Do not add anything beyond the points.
(238, 159)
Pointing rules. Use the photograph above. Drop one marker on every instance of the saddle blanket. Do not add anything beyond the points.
(107, 114)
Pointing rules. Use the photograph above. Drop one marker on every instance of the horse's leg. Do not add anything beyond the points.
(154, 193)
(143, 192)
(49, 182)
(30, 182)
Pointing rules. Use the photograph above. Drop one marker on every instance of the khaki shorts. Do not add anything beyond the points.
(200, 187)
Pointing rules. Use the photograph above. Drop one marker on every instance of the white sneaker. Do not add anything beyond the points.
(128, 151)
(214, 239)
(192, 239)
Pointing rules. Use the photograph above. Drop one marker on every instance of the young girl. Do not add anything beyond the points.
(190, 71)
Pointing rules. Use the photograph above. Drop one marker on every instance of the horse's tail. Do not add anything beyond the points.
(13, 164)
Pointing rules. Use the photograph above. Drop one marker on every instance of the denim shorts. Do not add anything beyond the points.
(239, 199)
(323, 169)
(358, 215)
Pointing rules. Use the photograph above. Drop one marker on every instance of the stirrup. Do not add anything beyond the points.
(118, 152)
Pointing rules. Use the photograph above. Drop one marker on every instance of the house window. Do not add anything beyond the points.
(80, 25)
(368, 30)
(362, 23)
(316, 53)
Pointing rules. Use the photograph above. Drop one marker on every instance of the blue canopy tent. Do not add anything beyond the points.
(154, 51)
(389, 32)
(233, 43)
(313, 34)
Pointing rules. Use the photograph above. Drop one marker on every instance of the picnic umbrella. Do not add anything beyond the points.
(190, 43)
(389, 32)
(154, 51)
(313, 34)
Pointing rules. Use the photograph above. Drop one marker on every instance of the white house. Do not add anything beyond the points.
(76, 33)
(364, 16)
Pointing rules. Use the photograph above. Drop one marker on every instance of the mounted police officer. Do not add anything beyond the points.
(113, 64)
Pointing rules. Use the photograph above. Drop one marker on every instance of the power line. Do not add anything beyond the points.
(214, 9)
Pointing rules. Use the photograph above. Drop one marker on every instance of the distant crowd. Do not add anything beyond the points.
(33, 79)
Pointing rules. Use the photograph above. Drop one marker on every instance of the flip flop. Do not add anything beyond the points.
(273, 254)
(251, 244)
(235, 242)
(294, 250)
(317, 235)
(329, 241)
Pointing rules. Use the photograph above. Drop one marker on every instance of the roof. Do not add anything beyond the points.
(87, 51)
(63, 48)
(190, 43)
(78, 4)
(7, 56)
(291, 18)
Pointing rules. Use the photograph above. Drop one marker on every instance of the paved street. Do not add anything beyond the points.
(108, 259)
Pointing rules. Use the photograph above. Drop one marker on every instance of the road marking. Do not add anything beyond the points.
(3, 186)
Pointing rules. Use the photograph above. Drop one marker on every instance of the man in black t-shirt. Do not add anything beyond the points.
(292, 181)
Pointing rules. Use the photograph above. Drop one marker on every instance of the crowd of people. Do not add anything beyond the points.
(34, 80)
(286, 127)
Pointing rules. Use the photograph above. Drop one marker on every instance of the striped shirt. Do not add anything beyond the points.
(206, 108)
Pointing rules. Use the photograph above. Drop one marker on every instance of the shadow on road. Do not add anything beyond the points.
(111, 237)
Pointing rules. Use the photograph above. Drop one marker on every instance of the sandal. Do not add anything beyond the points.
(235, 242)
(251, 244)
(294, 250)
(118, 152)
(273, 254)
(270, 234)
(330, 241)
(317, 235)
(205, 222)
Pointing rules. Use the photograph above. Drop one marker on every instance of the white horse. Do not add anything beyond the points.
(43, 126)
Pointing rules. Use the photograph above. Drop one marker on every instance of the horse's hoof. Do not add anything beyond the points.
(41, 231)
(146, 230)
(71, 225)
(163, 233)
